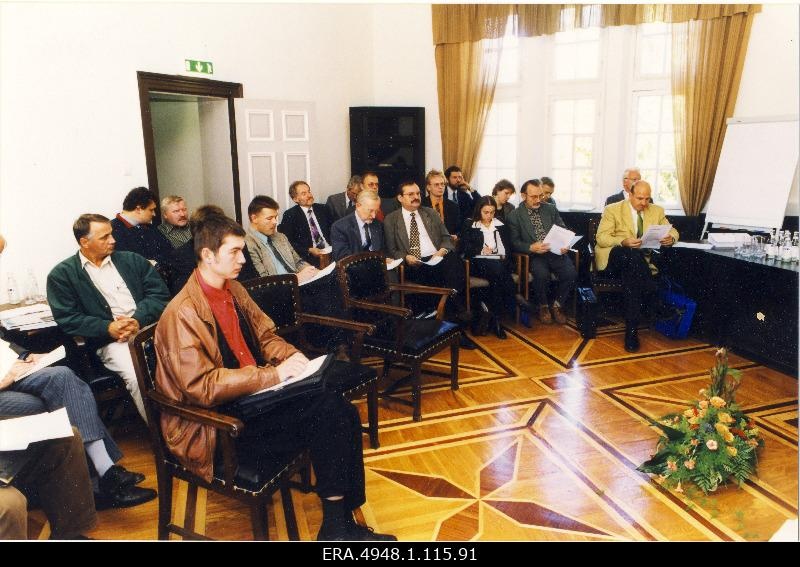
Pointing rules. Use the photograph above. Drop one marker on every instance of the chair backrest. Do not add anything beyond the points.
(279, 298)
(363, 276)
(591, 239)
(143, 353)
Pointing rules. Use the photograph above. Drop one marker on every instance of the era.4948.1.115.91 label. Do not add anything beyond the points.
(399, 553)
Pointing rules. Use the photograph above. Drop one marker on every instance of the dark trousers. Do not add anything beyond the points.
(325, 423)
(630, 265)
(542, 265)
(447, 273)
(57, 473)
(501, 286)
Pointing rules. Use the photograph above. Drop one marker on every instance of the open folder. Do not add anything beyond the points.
(8, 357)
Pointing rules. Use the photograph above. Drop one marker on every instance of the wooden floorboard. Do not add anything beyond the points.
(540, 442)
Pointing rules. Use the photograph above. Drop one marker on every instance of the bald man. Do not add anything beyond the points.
(619, 252)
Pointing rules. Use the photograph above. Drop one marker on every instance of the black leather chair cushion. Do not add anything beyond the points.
(418, 336)
(345, 376)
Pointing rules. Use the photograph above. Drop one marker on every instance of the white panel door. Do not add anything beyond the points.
(274, 140)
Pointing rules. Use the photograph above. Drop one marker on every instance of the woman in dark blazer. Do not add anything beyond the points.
(486, 242)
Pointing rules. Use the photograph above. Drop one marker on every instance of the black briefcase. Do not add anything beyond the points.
(587, 312)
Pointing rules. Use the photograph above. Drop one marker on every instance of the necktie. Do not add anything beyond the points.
(413, 239)
(319, 242)
(286, 268)
(538, 226)
(639, 224)
(439, 209)
(367, 237)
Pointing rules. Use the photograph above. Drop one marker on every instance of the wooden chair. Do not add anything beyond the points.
(239, 479)
(523, 267)
(472, 282)
(398, 338)
(600, 282)
(279, 298)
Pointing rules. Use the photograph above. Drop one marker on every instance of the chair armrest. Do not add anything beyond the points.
(416, 288)
(401, 312)
(365, 328)
(225, 423)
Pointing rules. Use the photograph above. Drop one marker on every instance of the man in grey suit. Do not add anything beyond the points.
(359, 231)
(342, 204)
(272, 254)
(418, 235)
(631, 176)
(530, 223)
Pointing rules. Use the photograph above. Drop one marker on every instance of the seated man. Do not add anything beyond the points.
(530, 223)
(54, 470)
(213, 319)
(175, 221)
(54, 387)
(447, 210)
(358, 231)
(459, 191)
(306, 225)
(183, 261)
(418, 235)
(133, 229)
(619, 252)
(106, 297)
(342, 204)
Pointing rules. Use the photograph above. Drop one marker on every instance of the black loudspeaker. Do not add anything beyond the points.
(389, 141)
(587, 312)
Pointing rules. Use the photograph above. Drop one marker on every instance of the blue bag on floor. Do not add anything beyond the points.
(675, 299)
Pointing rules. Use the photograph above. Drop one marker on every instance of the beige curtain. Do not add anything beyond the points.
(705, 78)
(707, 60)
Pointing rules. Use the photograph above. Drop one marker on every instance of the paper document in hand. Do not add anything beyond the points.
(321, 274)
(653, 235)
(8, 357)
(311, 368)
(393, 264)
(488, 257)
(433, 260)
(559, 238)
(17, 433)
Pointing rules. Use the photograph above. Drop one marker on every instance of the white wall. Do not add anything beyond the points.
(771, 74)
(404, 69)
(70, 125)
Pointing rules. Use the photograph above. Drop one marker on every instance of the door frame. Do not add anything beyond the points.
(178, 84)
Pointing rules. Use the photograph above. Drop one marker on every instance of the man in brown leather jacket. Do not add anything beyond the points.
(215, 345)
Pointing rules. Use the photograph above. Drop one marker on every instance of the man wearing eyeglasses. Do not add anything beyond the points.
(530, 223)
(631, 176)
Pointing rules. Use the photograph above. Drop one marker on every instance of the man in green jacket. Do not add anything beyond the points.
(106, 297)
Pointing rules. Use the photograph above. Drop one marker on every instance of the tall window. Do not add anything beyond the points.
(586, 104)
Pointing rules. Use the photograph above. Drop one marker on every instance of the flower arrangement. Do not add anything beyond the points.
(710, 442)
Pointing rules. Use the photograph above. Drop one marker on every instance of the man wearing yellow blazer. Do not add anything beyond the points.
(619, 252)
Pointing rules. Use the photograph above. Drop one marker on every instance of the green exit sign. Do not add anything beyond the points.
(193, 66)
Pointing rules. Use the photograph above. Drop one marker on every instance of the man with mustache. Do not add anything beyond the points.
(175, 221)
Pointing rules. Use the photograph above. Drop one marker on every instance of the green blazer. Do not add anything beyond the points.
(522, 230)
(80, 309)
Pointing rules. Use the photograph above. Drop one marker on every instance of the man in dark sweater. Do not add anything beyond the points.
(133, 230)
(106, 297)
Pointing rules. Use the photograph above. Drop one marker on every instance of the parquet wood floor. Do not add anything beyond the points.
(541, 442)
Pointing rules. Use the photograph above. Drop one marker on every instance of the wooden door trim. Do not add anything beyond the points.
(178, 84)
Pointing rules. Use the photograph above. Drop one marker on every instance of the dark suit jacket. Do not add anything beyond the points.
(337, 206)
(615, 198)
(466, 202)
(452, 215)
(503, 212)
(522, 235)
(143, 239)
(397, 238)
(295, 226)
(346, 237)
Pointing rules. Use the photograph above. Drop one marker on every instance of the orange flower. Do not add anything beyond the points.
(724, 417)
(689, 464)
(731, 451)
(703, 404)
(717, 402)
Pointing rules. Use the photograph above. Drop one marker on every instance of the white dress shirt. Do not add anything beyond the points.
(108, 281)
(426, 246)
(491, 237)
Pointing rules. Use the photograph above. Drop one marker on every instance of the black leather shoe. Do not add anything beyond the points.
(498, 329)
(467, 342)
(123, 497)
(365, 533)
(631, 339)
(118, 476)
